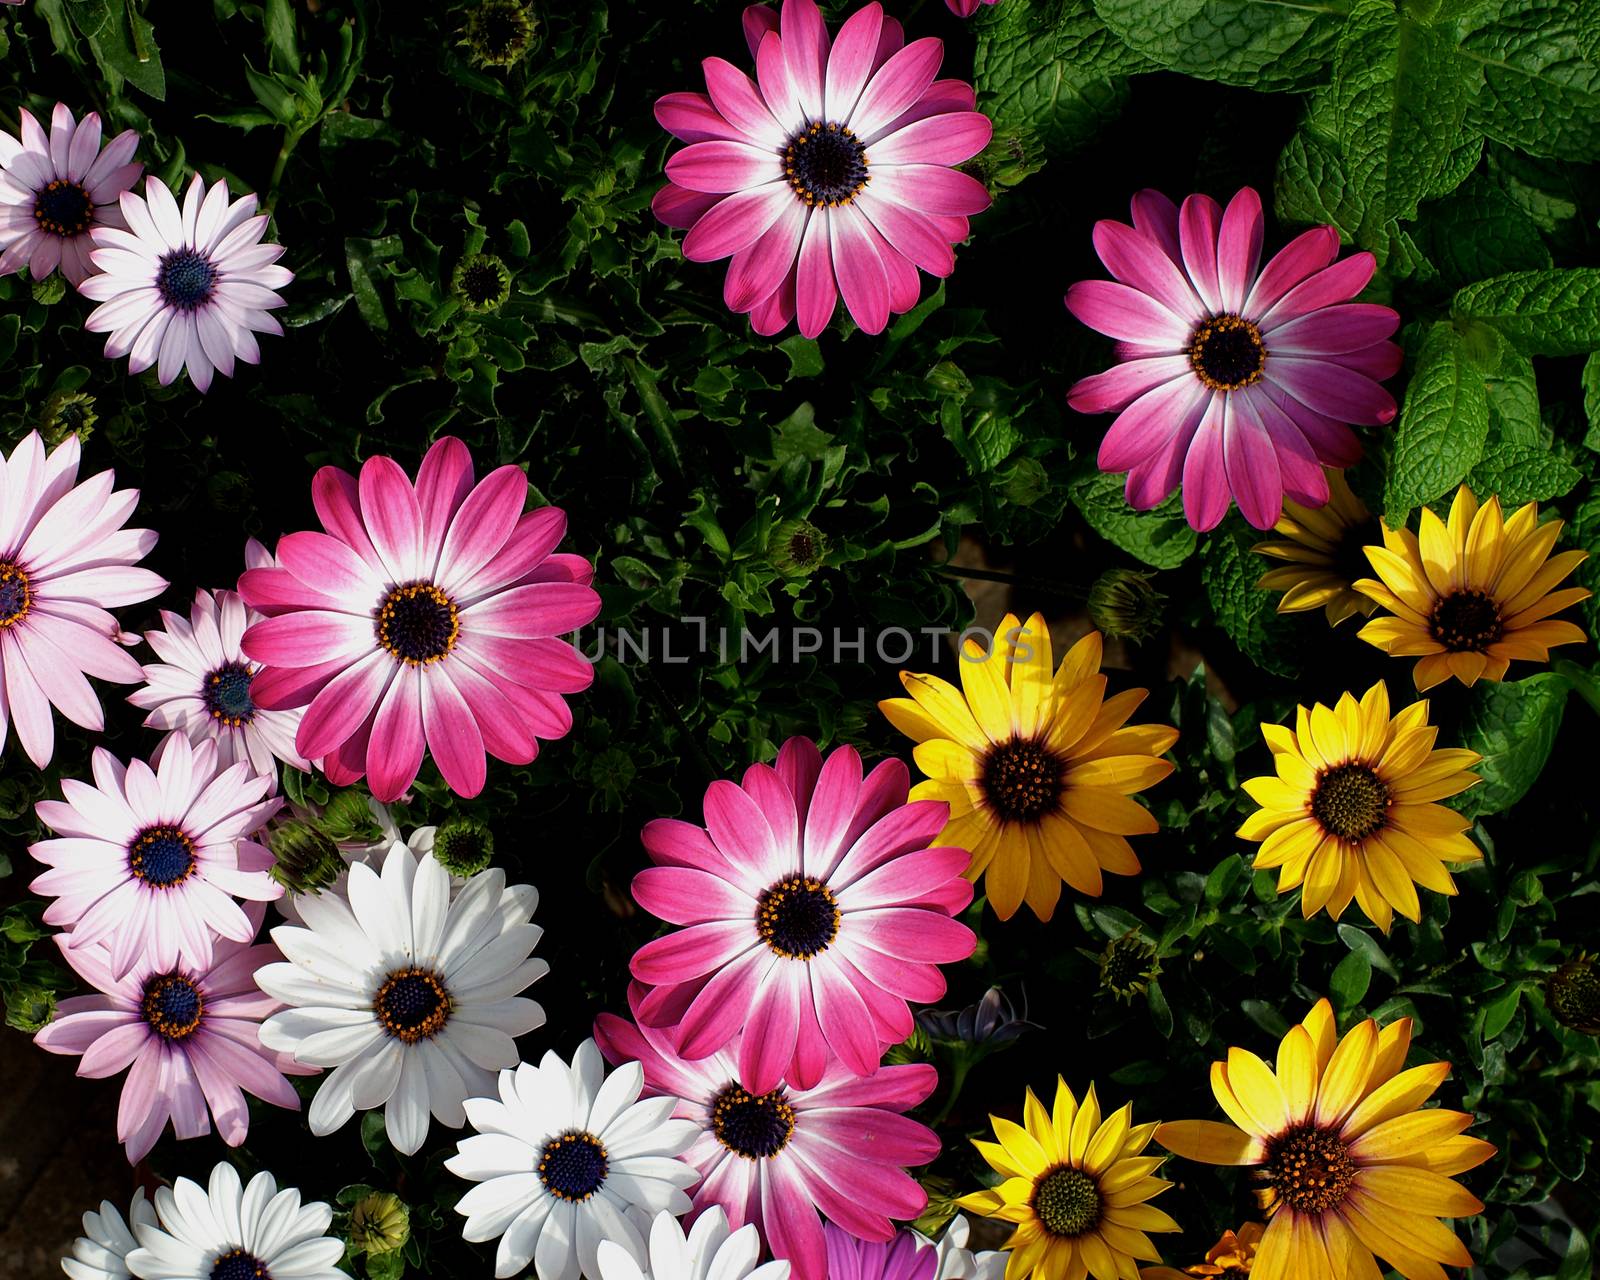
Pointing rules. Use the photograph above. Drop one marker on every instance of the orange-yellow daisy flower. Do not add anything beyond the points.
(1037, 768)
(1323, 547)
(1352, 1167)
(1350, 812)
(1231, 1257)
(1470, 595)
(1077, 1187)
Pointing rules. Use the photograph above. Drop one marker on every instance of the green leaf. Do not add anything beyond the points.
(1249, 616)
(1591, 399)
(123, 43)
(1444, 422)
(1312, 187)
(1520, 473)
(1497, 1013)
(1479, 231)
(1513, 726)
(1261, 44)
(1545, 313)
(1541, 77)
(1160, 537)
(1349, 982)
(1362, 941)
(805, 356)
(281, 35)
(1053, 69)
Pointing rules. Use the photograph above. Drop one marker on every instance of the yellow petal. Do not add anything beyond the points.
(1402, 1094)
(983, 680)
(1452, 1156)
(1323, 1030)
(942, 759)
(1037, 1122)
(1106, 1144)
(1388, 1246)
(943, 704)
(907, 716)
(1062, 846)
(1274, 1258)
(1345, 1079)
(1124, 774)
(1107, 811)
(1084, 1126)
(1208, 1142)
(1297, 1074)
(1025, 1152)
(1031, 678)
(1439, 556)
(1406, 1134)
(1257, 1089)
(1082, 661)
(1418, 1190)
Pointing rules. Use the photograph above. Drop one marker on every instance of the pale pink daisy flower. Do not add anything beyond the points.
(832, 172)
(150, 860)
(815, 911)
(185, 288)
(426, 618)
(64, 558)
(187, 1036)
(56, 188)
(201, 686)
(785, 1158)
(1237, 380)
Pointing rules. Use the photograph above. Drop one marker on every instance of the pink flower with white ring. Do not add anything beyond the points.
(814, 910)
(187, 1037)
(1237, 380)
(56, 188)
(831, 173)
(426, 618)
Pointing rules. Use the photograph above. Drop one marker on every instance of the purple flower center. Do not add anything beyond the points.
(573, 1166)
(1068, 1202)
(173, 1006)
(186, 279)
(1350, 801)
(239, 1265)
(1021, 780)
(412, 1004)
(63, 209)
(826, 164)
(1227, 353)
(754, 1126)
(798, 917)
(1466, 621)
(418, 623)
(15, 596)
(161, 856)
(1311, 1169)
(226, 694)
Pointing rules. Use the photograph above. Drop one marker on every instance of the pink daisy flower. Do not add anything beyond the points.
(64, 557)
(201, 686)
(778, 1158)
(830, 173)
(188, 1037)
(56, 189)
(150, 860)
(185, 288)
(815, 911)
(425, 618)
(966, 8)
(1237, 380)
(906, 1257)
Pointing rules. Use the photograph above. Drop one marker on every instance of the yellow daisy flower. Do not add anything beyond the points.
(1231, 1257)
(1470, 595)
(1037, 770)
(1077, 1188)
(1352, 1167)
(1324, 549)
(1350, 812)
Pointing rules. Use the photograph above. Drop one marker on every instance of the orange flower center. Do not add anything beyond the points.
(1310, 1169)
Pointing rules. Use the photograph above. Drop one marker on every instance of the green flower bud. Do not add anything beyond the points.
(347, 818)
(481, 283)
(1123, 604)
(1572, 994)
(67, 413)
(797, 548)
(307, 858)
(29, 1006)
(380, 1223)
(463, 846)
(1128, 966)
(498, 33)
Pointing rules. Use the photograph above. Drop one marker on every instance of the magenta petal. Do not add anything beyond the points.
(395, 752)
(815, 291)
(930, 189)
(851, 61)
(736, 221)
(1239, 248)
(443, 482)
(1143, 429)
(952, 138)
(1199, 222)
(911, 235)
(723, 167)
(693, 118)
(844, 1018)
(914, 933)
(392, 516)
(1332, 389)
(1120, 385)
(759, 21)
(1156, 216)
(453, 737)
(343, 704)
(480, 528)
(1338, 283)
(724, 1002)
(1252, 464)
(1333, 330)
(1379, 361)
(330, 568)
(1119, 311)
(777, 88)
(1140, 262)
(757, 270)
(897, 86)
(772, 1027)
(863, 283)
(1304, 478)
(694, 952)
(1306, 254)
(310, 637)
(687, 895)
(805, 46)
(739, 102)
(789, 1223)
(1205, 474)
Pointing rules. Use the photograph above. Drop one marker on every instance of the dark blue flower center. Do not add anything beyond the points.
(754, 1126)
(826, 164)
(236, 1264)
(573, 1166)
(63, 209)
(226, 693)
(412, 1004)
(798, 917)
(1227, 353)
(15, 596)
(172, 1005)
(161, 856)
(418, 623)
(186, 279)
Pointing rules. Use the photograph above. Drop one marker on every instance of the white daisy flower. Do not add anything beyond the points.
(411, 997)
(187, 288)
(957, 1262)
(101, 1252)
(709, 1252)
(201, 686)
(562, 1159)
(229, 1232)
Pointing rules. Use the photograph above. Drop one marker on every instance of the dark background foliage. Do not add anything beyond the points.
(1439, 134)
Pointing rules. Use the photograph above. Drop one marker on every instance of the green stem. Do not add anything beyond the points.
(1011, 579)
(958, 1077)
(291, 140)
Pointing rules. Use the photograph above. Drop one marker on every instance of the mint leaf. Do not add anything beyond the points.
(1229, 572)
(1555, 196)
(1541, 77)
(1160, 537)
(1262, 44)
(1520, 473)
(1545, 313)
(1480, 231)
(1052, 69)
(1444, 422)
(1513, 726)
(1591, 400)
(1584, 530)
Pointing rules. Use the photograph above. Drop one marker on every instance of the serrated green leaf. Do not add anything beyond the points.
(1444, 422)
(1519, 473)
(1160, 537)
(1513, 726)
(1249, 616)
(1480, 231)
(1541, 77)
(1545, 313)
(1591, 399)
(1262, 44)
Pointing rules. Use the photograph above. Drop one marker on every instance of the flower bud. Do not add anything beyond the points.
(1124, 604)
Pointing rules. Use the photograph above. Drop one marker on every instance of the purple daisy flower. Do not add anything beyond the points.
(906, 1257)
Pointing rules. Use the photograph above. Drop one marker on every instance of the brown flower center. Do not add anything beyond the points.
(754, 1126)
(1466, 621)
(418, 623)
(1022, 780)
(798, 918)
(1310, 1169)
(1067, 1202)
(1350, 801)
(826, 164)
